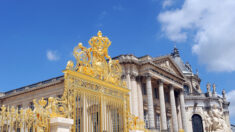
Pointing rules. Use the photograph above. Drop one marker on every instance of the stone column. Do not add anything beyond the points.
(183, 112)
(128, 82)
(150, 103)
(140, 99)
(162, 106)
(179, 114)
(60, 124)
(134, 96)
(173, 109)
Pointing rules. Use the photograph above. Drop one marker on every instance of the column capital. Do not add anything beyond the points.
(160, 81)
(181, 90)
(147, 75)
(123, 76)
(170, 86)
(138, 78)
(133, 76)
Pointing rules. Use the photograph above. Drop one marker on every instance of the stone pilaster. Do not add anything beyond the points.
(150, 103)
(183, 112)
(173, 109)
(162, 106)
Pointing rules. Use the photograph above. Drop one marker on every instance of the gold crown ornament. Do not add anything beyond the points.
(96, 62)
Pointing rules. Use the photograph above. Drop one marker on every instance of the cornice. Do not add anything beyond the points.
(27, 90)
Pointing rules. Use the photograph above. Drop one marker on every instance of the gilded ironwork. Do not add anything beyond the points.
(98, 98)
(96, 62)
(95, 97)
(134, 123)
(30, 119)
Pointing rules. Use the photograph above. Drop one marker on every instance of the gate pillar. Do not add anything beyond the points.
(60, 124)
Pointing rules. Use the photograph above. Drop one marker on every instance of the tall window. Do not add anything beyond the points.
(46, 99)
(146, 120)
(31, 105)
(95, 122)
(156, 92)
(166, 97)
(157, 121)
(144, 88)
(19, 107)
(59, 96)
(186, 89)
(169, 124)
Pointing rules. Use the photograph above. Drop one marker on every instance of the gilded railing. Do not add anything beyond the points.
(31, 119)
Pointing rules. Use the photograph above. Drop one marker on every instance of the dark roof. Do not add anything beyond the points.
(185, 68)
(33, 85)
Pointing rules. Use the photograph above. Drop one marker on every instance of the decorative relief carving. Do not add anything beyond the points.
(166, 65)
(89, 85)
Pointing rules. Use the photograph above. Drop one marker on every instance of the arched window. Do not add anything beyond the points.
(197, 123)
(186, 89)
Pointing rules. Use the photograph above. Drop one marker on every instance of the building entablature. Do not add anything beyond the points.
(162, 68)
(29, 88)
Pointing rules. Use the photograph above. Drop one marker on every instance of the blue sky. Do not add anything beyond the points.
(37, 37)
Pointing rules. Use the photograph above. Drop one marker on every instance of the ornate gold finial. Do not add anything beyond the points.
(99, 34)
(96, 62)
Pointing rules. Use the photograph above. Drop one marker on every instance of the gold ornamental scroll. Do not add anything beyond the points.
(96, 96)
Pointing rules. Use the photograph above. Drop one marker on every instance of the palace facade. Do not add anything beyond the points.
(164, 93)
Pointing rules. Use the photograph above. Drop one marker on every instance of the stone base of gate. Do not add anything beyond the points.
(60, 124)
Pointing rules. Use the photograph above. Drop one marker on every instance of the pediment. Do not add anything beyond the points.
(166, 63)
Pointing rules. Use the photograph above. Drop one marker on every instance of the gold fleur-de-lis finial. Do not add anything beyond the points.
(99, 34)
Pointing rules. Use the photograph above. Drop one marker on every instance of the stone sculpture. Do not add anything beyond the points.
(214, 121)
(214, 88)
(208, 87)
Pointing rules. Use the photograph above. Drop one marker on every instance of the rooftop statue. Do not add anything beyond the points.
(96, 62)
(223, 94)
(208, 87)
(214, 88)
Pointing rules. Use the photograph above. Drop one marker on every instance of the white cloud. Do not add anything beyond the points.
(52, 55)
(231, 99)
(211, 23)
(167, 3)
